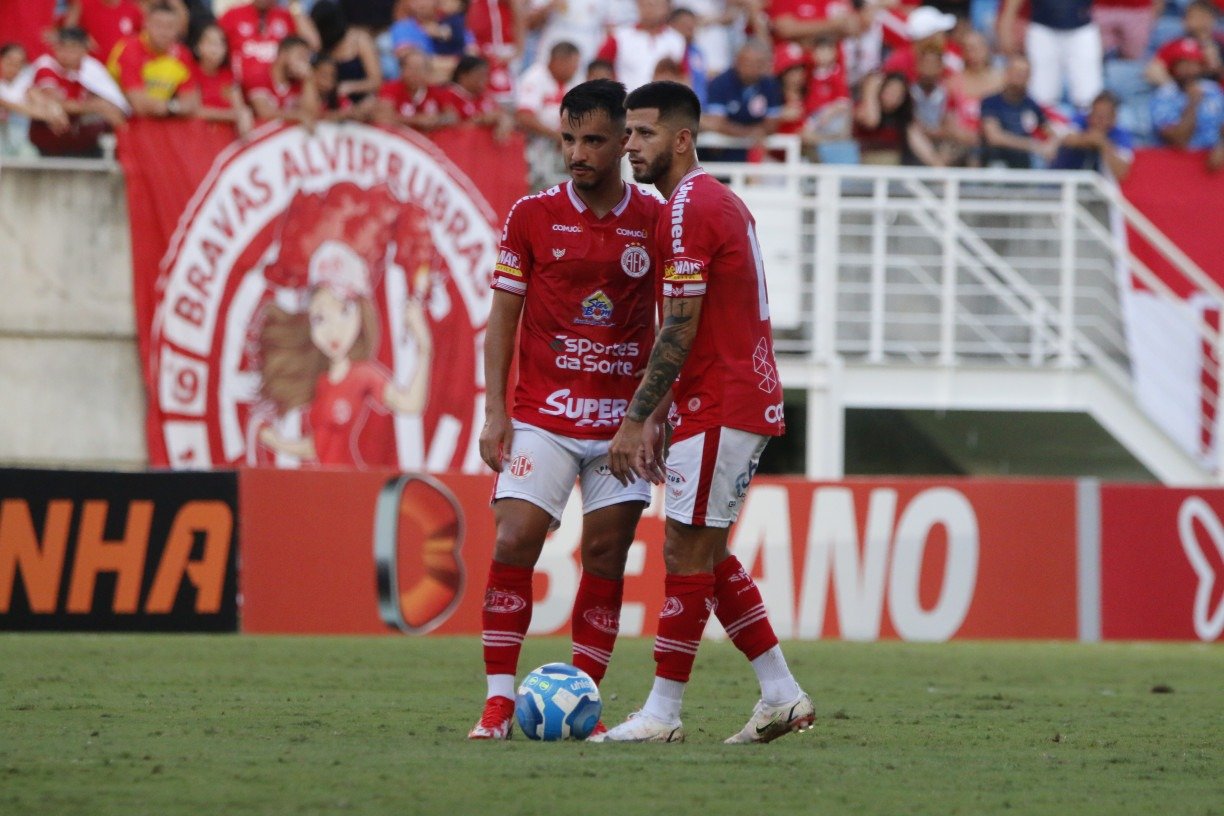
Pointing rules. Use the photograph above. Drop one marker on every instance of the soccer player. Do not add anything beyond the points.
(714, 359)
(575, 270)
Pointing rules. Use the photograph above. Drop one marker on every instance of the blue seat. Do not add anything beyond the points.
(846, 152)
(1125, 78)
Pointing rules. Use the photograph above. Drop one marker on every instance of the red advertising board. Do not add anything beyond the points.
(1162, 563)
(918, 560)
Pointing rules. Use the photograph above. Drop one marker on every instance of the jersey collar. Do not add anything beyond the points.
(692, 174)
(581, 206)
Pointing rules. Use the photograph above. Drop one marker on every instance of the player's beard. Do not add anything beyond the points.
(654, 170)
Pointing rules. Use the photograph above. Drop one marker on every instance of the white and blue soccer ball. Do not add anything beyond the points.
(557, 701)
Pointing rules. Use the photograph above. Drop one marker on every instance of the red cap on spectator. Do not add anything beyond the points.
(787, 55)
(1183, 49)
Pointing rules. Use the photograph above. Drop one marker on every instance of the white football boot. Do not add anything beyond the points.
(641, 727)
(770, 722)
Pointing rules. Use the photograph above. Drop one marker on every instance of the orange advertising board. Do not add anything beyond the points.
(348, 552)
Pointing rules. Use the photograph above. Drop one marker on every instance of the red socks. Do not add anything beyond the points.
(681, 622)
(506, 616)
(740, 609)
(596, 623)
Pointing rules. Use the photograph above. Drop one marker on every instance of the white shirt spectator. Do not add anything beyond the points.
(582, 22)
(635, 52)
(540, 93)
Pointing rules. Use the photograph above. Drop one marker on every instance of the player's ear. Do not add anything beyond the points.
(684, 143)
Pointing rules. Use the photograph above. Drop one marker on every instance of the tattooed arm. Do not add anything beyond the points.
(629, 455)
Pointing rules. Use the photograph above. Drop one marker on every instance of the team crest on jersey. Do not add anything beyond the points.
(635, 260)
(558, 253)
(596, 310)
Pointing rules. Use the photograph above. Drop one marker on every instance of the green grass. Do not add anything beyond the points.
(128, 725)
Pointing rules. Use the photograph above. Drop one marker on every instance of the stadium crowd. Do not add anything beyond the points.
(1017, 83)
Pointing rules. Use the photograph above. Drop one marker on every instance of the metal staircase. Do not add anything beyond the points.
(979, 290)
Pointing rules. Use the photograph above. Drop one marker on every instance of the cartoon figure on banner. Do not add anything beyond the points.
(320, 338)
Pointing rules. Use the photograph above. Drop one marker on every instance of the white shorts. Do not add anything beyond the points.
(708, 476)
(542, 467)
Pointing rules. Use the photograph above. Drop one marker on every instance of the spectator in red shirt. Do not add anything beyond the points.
(980, 79)
(1126, 25)
(1198, 23)
(410, 100)
(155, 70)
(255, 30)
(289, 91)
(802, 19)
(469, 97)
(57, 86)
(828, 95)
(106, 21)
(220, 97)
(927, 29)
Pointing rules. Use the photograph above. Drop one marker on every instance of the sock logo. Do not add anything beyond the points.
(671, 607)
(503, 602)
(604, 619)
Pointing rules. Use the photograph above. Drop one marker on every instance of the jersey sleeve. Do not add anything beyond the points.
(127, 67)
(514, 252)
(688, 248)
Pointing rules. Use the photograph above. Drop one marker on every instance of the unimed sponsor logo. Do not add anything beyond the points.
(99, 559)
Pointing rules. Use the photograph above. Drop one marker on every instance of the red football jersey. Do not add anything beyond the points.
(215, 89)
(591, 291)
(409, 103)
(707, 242)
(286, 97)
(253, 39)
(108, 23)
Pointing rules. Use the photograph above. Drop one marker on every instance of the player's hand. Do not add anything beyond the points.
(653, 438)
(625, 452)
(495, 439)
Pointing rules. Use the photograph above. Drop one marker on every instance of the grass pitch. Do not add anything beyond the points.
(118, 724)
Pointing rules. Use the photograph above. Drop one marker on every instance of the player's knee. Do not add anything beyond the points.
(517, 544)
(604, 555)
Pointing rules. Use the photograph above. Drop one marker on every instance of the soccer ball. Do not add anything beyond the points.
(557, 701)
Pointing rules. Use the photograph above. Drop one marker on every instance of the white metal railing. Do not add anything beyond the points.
(983, 267)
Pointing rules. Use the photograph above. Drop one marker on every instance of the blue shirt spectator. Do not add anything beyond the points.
(408, 33)
(1097, 142)
(1012, 123)
(743, 102)
(1169, 107)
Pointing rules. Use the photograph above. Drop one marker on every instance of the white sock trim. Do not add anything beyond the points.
(778, 685)
(500, 685)
(664, 700)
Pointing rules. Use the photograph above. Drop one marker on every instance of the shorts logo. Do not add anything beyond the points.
(521, 466)
(500, 601)
(694, 403)
(671, 607)
(635, 261)
(604, 619)
(604, 470)
(596, 310)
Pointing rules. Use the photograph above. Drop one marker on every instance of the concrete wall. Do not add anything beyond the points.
(71, 392)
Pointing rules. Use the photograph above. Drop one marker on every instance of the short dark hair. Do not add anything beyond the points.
(605, 95)
(1107, 96)
(292, 41)
(72, 34)
(466, 65)
(679, 12)
(676, 103)
(10, 47)
(161, 5)
(565, 48)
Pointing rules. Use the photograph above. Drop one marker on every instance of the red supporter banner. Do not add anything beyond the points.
(314, 297)
(1162, 563)
(861, 560)
(1176, 373)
